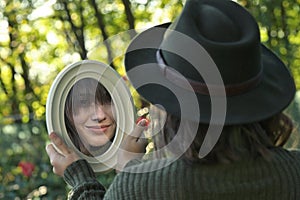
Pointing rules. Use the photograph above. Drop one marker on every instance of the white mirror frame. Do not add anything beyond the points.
(115, 85)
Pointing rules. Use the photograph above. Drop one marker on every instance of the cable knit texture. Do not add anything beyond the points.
(258, 179)
(80, 176)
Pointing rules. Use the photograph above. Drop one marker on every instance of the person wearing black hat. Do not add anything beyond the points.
(221, 95)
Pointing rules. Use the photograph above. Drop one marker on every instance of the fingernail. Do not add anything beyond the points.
(142, 121)
(139, 119)
(52, 135)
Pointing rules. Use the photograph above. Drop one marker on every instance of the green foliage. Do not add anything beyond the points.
(279, 22)
(26, 143)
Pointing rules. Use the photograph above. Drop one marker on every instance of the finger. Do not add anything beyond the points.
(142, 140)
(56, 160)
(139, 128)
(49, 149)
(59, 143)
(142, 143)
(52, 153)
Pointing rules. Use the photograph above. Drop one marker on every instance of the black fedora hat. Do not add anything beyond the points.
(212, 51)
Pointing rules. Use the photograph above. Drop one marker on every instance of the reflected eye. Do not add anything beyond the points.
(84, 103)
(85, 100)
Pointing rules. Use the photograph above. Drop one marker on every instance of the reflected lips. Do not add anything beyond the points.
(98, 129)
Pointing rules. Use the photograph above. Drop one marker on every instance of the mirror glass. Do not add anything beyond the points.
(90, 117)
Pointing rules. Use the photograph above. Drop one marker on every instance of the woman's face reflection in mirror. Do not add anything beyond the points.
(89, 116)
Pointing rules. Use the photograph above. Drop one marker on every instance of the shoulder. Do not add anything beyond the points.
(175, 179)
(287, 155)
(295, 153)
(155, 177)
(153, 165)
(295, 156)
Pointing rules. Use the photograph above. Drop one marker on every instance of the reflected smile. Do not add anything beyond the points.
(98, 129)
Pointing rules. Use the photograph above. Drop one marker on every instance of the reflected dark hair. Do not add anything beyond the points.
(83, 93)
(236, 142)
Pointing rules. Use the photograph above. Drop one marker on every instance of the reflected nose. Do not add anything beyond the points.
(98, 114)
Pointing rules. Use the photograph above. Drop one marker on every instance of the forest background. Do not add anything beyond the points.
(38, 38)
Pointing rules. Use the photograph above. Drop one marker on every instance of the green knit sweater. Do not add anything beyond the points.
(278, 179)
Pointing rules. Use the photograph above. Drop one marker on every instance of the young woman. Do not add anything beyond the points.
(89, 116)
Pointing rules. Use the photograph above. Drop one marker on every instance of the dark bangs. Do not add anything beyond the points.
(85, 92)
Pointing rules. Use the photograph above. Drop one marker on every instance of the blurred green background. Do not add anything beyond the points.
(38, 38)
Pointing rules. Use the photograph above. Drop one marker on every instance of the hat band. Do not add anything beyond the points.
(202, 88)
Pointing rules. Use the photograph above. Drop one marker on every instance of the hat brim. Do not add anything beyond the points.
(271, 96)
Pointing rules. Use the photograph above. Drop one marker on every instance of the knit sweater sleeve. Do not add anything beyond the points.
(80, 176)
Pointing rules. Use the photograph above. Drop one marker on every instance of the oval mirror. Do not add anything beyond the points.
(90, 107)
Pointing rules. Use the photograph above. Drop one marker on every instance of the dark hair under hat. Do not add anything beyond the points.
(210, 35)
